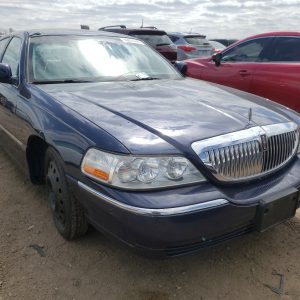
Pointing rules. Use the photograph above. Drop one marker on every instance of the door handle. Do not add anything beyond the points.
(244, 73)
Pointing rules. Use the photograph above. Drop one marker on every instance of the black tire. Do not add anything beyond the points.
(67, 212)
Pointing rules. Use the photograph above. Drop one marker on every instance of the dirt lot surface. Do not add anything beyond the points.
(37, 263)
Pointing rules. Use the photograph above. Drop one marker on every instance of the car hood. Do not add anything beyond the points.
(170, 112)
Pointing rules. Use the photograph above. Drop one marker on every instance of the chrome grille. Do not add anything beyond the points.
(280, 147)
(249, 153)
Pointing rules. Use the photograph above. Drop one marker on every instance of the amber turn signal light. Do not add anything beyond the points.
(96, 172)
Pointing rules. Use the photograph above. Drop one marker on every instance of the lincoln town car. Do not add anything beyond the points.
(124, 142)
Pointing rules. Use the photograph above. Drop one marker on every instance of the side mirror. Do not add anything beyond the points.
(181, 67)
(5, 73)
(217, 59)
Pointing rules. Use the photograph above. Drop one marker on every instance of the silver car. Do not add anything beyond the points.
(191, 45)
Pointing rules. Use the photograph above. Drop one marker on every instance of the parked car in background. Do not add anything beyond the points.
(267, 65)
(163, 163)
(225, 42)
(191, 45)
(157, 39)
(218, 47)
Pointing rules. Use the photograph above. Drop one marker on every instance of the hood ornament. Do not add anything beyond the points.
(249, 124)
(250, 115)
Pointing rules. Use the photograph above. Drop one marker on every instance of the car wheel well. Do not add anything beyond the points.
(35, 154)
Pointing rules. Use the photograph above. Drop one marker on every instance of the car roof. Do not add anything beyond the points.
(187, 34)
(275, 33)
(278, 33)
(142, 29)
(266, 34)
(43, 32)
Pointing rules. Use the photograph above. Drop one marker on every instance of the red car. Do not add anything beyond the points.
(267, 65)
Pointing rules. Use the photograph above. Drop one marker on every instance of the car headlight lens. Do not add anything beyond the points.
(139, 172)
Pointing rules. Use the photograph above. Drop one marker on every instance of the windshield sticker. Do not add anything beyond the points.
(131, 41)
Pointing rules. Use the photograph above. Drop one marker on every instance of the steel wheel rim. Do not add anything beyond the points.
(56, 194)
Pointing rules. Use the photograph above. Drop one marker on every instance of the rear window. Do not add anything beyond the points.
(196, 40)
(155, 39)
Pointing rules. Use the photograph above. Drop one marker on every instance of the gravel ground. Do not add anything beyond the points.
(37, 263)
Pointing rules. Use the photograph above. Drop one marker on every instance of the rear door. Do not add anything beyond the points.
(238, 64)
(278, 77)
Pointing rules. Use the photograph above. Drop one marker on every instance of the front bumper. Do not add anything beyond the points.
(162, 226)
(166, 232)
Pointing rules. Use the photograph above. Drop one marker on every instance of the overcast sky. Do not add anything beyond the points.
(218, 18)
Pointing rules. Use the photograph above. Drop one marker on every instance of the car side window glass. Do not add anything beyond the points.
(173, 38)
(12, 55)
(3, 44)
(286, 49)
(250, 51)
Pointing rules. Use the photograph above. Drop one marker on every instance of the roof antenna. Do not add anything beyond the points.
(142, 23)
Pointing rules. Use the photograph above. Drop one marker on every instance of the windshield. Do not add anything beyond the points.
(97, 58)
(153, 39)
(196, 40)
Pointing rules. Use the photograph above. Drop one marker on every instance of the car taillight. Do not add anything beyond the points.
(186, 48)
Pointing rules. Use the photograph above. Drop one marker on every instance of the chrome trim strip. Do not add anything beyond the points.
(276, 129)
(23, 146)
(154, 211)
(228, 139)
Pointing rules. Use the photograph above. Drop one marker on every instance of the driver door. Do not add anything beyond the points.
(9, 94)
(238, 64)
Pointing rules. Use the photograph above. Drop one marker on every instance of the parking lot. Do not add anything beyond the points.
(37, 263)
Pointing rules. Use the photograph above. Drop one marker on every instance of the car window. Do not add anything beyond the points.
(12, 55)
(286, 49)
(153, 39)
(249, 51)
(59, 58)
(196, 40)
(173, 38)
(3, 44)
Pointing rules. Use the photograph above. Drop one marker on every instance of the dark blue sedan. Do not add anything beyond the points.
(124, 142)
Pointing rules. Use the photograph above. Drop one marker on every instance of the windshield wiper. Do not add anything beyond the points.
(60, 81)
(144, 78)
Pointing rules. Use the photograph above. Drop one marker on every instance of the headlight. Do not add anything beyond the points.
(139, 172)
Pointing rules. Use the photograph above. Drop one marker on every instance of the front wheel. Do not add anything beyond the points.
(67, 212)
